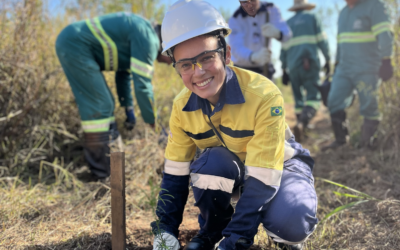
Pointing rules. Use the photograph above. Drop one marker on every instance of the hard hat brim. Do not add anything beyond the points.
(188, 35)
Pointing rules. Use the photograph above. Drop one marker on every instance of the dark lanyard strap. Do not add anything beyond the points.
(217, 133)
(239, 162)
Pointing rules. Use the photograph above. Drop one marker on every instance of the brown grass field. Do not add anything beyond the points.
(47, 202)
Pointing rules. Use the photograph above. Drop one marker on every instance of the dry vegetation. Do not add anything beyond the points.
(45, 202)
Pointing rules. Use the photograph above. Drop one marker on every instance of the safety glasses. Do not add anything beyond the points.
(204, 61)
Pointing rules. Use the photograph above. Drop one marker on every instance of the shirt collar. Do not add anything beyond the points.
(230, 94)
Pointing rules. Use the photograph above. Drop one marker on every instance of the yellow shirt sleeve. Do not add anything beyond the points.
(266, 148)
(180, 147)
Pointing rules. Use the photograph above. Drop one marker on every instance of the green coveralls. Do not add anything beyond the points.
(364, 39)
(120, 42)
(307, 38)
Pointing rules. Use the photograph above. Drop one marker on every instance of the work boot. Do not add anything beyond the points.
(201, 242)
(307, 114)
(368, 130)
(340, 130)
(303, 120)
(282, 246)
(97, 151)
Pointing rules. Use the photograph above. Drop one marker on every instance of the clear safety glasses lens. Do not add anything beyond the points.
(204, 61)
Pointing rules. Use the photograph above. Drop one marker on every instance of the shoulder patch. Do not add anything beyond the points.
(276, 111)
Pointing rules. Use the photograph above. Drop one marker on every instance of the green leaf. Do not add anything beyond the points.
(341, 208)
(348, 195)
(348, 188)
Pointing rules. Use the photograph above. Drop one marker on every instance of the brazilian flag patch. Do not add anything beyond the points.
(276, 111)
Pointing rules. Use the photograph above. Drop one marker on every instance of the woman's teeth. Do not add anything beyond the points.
(204, 83)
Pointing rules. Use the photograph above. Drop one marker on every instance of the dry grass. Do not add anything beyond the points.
(45, 202)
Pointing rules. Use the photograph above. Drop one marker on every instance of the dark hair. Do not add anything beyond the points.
(219, 34)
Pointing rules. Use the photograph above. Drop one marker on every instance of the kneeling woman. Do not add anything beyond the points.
(237, 118)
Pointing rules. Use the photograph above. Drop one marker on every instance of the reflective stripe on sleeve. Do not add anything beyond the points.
(109, 48)
(212, 182)
(381, 27)
(268, 176)
(176, 168)
(299, 41)
(356, 37)
(94, 126)
(141, 68)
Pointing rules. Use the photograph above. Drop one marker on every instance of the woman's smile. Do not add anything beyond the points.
(203, 84)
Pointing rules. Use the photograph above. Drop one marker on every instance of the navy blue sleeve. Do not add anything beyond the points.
(171, 203)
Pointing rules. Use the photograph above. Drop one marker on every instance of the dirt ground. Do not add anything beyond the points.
(370, 225)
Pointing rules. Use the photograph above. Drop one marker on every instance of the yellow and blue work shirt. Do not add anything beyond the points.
(364, 37)
(249, 116)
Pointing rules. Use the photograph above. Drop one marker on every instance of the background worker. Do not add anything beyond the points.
(364, 55)
(250, 32)
(234, 116)
(300, 62)
(120, 42)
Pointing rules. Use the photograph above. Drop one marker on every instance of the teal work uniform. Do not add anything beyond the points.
(364, 39)
(120, 42)
(307, 38)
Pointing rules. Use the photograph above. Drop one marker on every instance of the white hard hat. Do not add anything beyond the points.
(186, 19)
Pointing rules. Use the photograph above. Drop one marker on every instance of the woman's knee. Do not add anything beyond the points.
(291, 215)
(216, 169)
(293, 229)
(217, 161)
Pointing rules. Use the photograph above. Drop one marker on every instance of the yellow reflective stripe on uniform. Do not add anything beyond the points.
(356, 37)
(109, 48)
(381, 27)
(321, 37)
(269, 176)
(141, 68)
(376, 118)
(102, 125)
(314, 104)
(298, 110)
(299, 41)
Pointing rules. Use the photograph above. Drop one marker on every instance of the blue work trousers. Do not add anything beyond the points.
(341, 93)
(305, 81)
(290, 217)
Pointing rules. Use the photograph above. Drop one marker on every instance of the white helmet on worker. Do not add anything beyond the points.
(186, 19)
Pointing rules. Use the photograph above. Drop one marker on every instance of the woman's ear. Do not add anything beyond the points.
(228, 54)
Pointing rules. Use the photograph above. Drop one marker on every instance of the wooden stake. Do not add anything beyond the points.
(118, 226)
